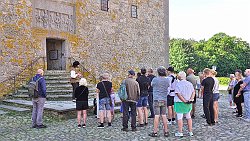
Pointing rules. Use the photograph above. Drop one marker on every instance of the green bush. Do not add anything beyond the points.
(224, 80)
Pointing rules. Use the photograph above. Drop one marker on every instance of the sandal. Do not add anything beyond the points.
(166, 134)
(153, 134)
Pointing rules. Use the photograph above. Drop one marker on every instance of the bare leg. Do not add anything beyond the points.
(170, 112)
(156, 123)
(79, 116)
(189, 121)
(109, 116)
(216, 111)
(101, 115)
(84, 116)
(165, 124)
(145, 114)
(180, 125)
(140, 115)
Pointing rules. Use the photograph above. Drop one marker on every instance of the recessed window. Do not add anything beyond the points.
(134, 11)
(104, 5)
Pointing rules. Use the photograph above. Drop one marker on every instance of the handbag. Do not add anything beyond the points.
(110, 101)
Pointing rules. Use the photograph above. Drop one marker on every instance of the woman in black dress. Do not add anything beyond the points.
(81, 94)
(238, 99)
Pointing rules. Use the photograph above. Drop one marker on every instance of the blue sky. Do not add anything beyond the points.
(201, 19)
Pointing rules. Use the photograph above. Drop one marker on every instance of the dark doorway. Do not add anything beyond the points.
(55, 50)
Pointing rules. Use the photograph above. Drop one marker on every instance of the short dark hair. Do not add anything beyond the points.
(143, 71)
(75, 64)
(239, 71)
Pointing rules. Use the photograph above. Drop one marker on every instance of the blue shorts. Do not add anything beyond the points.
(104, 104)
(142, 102)
(216, 96)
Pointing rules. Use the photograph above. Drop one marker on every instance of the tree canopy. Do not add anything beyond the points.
(225, 52)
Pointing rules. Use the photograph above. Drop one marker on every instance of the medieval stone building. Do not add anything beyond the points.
(104, 35)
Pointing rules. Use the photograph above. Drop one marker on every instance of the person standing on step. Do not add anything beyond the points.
(193, 79)
(81, 94)
(150, 93)
(38, 103)
(208, 103)
(133, 92)
(103, 93)
(170, 98)
(160, 91)
(144, 84)
(75, 76)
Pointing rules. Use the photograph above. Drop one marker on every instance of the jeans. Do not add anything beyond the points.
(143, 101)
(208, 108)
(247, 104)
(37, 112)
(74, 85)
(150, 103)
(126, 105)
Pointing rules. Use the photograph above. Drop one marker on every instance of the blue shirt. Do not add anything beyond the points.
(247, 81)
(41, 85)
(160, 88)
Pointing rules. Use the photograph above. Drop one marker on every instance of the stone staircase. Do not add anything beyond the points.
(58, 86)
(59, 95)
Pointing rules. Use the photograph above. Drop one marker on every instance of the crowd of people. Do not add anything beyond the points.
(168, 95)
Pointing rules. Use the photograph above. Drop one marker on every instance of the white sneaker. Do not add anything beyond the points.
(169, 123)
(191, 134)
(174, 122)
(178, 134)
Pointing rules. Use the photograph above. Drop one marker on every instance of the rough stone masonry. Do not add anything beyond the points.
(103, 41)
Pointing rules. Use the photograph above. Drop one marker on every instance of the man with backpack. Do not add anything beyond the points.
(170, 98)
(38, 99)
(133, 94)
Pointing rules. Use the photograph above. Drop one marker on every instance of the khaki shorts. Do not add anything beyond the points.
(160, 107)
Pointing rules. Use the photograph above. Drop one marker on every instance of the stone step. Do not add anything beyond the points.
(66, 96)
(47, 78)
(49, 92)
(59, 87)
(2, 112)
(58, 106)
(13, 108)
(56, 72)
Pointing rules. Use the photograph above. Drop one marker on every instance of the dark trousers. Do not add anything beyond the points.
(150, 103)
(239, 108)
(125, 112)
(74, 85)
(208, 108)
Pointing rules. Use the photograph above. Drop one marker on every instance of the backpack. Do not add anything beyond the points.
(122, 92)
(33, 88)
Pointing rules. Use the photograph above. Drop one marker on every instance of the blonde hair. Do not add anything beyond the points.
(206, 70)
(214, 72)
(105, 76)
(83, 82)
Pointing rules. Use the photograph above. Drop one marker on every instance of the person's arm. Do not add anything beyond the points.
(192, 96)
(43, 86)
(242, 86)
(181, 97)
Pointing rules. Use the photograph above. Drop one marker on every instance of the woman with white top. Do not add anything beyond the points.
(183, 103)
(75, 77)
(216, 96)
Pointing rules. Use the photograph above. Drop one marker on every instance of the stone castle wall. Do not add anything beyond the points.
(103, 41)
